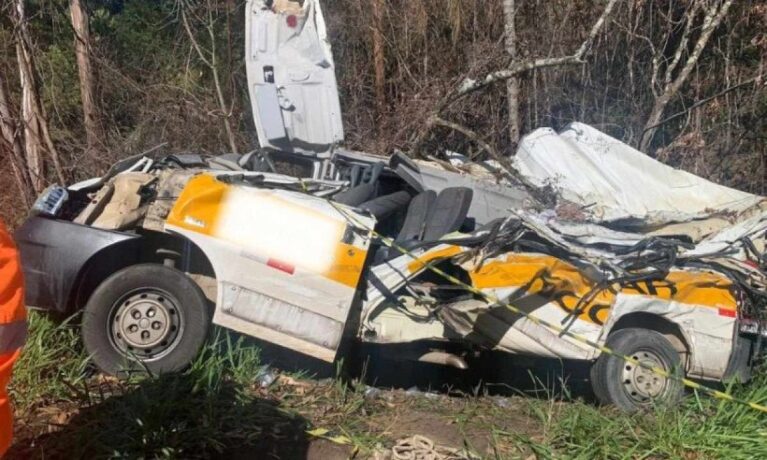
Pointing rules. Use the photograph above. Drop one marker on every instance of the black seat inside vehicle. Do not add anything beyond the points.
(417, 214)
(430, 216)
(362, 181)
(386, 205)
(355, 196)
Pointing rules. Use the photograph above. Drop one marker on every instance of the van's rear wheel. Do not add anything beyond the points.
(145, 317)
(630, 386)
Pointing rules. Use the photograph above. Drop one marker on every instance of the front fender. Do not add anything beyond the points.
(54, 253)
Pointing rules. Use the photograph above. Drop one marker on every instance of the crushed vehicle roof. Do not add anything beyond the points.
(615, 196)
(618, 185)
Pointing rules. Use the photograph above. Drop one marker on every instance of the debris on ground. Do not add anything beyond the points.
(266, 377)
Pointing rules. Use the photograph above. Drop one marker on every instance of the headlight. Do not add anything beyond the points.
(49, 202)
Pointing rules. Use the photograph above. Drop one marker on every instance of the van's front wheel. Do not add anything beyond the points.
(145, 317)
(630, 386)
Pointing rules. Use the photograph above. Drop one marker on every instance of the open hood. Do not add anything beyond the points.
(291, 77)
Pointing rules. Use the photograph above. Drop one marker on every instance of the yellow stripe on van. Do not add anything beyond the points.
(199, 206)
(561, 282)
(348, 264)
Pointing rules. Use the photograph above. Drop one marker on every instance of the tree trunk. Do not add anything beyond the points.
(10, 137)
(94, 135)
(37, 139)
(714, 14)
(512, 84)
(33, 146)
(379, 61)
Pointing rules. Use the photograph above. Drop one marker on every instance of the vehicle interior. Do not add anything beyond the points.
(393, 193)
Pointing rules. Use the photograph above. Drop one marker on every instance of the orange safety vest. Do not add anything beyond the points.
(13, 328)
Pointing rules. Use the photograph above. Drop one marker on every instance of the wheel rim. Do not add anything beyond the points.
(145, 324)
(640, 383)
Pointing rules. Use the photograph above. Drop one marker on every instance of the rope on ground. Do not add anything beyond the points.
(420, 447)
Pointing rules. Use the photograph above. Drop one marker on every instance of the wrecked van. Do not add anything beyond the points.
(315, 248)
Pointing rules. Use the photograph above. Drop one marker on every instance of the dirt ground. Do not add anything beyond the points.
(468, 425)
(220, 410)
(246, 400)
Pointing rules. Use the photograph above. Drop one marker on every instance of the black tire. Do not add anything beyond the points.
(630, 387)
(120, 321)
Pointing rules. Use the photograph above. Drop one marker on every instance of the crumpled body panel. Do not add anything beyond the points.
(701, 303)
(618, 183)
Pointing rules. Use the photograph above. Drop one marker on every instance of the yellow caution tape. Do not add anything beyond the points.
(492, 299)
(324, 433)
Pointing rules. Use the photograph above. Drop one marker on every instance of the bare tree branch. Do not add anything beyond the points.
(682, 46)
(715, 13)
(705, 101)
(586, 45)
(192, 39)
(469, 86)
(471, 135)
(209, 58)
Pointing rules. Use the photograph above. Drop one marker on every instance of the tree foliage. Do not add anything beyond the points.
(152, 87)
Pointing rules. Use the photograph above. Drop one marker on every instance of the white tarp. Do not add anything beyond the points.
(615, 182)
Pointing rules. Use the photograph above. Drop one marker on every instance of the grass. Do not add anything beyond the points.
(217, 408)
(53, 363)
(700, 428)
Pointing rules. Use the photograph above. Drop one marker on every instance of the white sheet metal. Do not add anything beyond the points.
(708, 333)
(615, 182)
(291, 77)
(753, 227)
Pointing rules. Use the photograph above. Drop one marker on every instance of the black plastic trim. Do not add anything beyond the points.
(54, 254)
